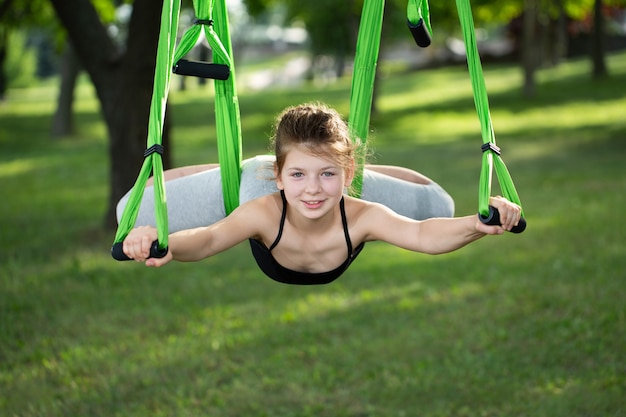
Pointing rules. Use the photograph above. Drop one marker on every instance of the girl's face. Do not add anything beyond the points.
(313, 185)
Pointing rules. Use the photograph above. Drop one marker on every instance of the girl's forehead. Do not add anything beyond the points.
(300, 156)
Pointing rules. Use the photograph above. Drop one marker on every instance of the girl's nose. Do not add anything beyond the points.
(313, 185)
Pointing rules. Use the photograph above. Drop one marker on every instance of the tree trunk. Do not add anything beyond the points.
(598, 46)
(561, 33)
(529, 47)
(123, 83)
(63, 121)
(556, 39)
(4, 36)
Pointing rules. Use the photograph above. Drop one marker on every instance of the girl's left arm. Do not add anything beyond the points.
(436, 235)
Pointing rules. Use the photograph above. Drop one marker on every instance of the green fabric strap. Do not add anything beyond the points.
(228, 127)
(417, 10)
(364, 74)
(153, 163)
(491, 158)
(227, 116)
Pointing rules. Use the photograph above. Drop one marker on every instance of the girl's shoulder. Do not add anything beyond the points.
(368, 220)
(258, 215)
(357, 206)
(268, 204)
(358, 210)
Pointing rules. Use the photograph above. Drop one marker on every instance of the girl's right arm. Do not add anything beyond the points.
(198, 243)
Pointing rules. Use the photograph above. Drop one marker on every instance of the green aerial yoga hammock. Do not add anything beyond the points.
(418, 20)
(153, 162)
(364, 74)
(491, 152)
(227, 119)
(228, 124)
(365, 62)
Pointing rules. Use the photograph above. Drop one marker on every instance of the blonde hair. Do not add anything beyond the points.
(317, 127)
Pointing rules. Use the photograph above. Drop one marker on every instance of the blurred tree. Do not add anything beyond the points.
(14, 15)
(333, 26)
(20, 63)
(122, 75)
(546, 24)
(529, 46)
(69, 69)
(63, 119)
(542, 27)
(598, 52)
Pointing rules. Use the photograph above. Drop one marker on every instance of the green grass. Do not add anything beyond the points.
(518, 325)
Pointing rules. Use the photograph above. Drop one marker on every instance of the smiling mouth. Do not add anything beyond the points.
(313, 203)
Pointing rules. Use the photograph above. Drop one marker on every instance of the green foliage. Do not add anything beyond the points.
(106, 9)
(503, 13)
(21, 13)
(21, 61)
(528, 325)
(578, 9)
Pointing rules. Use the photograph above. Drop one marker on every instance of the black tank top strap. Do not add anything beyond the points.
(283, 216)
(344, 221)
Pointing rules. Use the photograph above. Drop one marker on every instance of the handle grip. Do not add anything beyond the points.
(202, 69)
(493, 219)
(420, 33)
(117, 251)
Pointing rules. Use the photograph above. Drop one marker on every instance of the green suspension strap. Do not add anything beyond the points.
(365, 62)
(153, 162)
(364, 74)
(228, 125)
(491, 153)
(227, 116)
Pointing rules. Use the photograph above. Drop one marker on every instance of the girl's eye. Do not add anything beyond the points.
(297, 174)
(328, 174)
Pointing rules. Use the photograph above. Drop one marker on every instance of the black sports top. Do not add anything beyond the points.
(277, 272)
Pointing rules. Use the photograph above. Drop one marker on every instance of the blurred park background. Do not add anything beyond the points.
(519, 325)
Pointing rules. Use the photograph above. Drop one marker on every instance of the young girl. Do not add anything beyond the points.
(195, 198)
(310, 231)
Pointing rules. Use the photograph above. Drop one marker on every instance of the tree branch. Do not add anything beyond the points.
(89, 37)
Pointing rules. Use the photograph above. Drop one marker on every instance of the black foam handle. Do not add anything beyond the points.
(493, 219)
(117, 251)
(202, 69)
(420, 33)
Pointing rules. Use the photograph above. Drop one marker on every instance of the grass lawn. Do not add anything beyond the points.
(519, 325)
